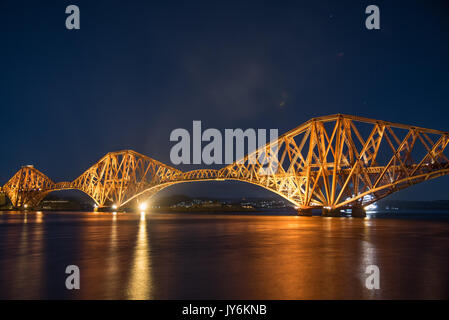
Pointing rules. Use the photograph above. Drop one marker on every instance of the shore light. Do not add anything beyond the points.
(143, 206)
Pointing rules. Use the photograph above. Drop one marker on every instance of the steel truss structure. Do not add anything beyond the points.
(337, 161)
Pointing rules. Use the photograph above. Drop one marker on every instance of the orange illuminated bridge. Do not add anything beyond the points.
(332, 162)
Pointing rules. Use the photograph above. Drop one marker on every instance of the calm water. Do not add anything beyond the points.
(193, 256)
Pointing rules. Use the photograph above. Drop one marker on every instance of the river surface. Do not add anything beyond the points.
(201, 256)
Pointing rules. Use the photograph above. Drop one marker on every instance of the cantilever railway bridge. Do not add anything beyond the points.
(332, 162)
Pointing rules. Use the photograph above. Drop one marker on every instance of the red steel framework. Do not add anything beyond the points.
(332, 162)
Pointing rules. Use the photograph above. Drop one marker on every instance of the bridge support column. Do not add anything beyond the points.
(358, 212)
(305, 212)
(329, 212)
(2, 199)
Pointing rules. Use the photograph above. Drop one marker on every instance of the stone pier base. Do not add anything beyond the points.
(358, 212)
(306, 212)
(331, 212)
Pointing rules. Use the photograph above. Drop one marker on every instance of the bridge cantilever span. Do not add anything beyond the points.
(337, 161)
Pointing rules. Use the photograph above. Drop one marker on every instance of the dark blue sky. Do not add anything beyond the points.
(136, 70)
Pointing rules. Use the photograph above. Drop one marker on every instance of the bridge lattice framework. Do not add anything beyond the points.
(337, 161)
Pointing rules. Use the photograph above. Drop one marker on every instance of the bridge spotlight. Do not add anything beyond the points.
(114, 206)
(143, 206)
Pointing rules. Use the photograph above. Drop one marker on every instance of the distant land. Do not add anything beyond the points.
(386, 205)
(184, 203)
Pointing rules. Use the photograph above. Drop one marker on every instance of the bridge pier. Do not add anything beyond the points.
(358, 212)
(305, 212)
(330, 212)
(2, 199)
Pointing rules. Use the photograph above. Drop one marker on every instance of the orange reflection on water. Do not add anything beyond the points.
(39, 216)
(139, 285)
(30, 254)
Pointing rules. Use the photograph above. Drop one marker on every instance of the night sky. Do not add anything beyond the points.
(136, 70)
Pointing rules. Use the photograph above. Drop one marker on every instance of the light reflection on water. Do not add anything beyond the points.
(175, 256)
(139, 286)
